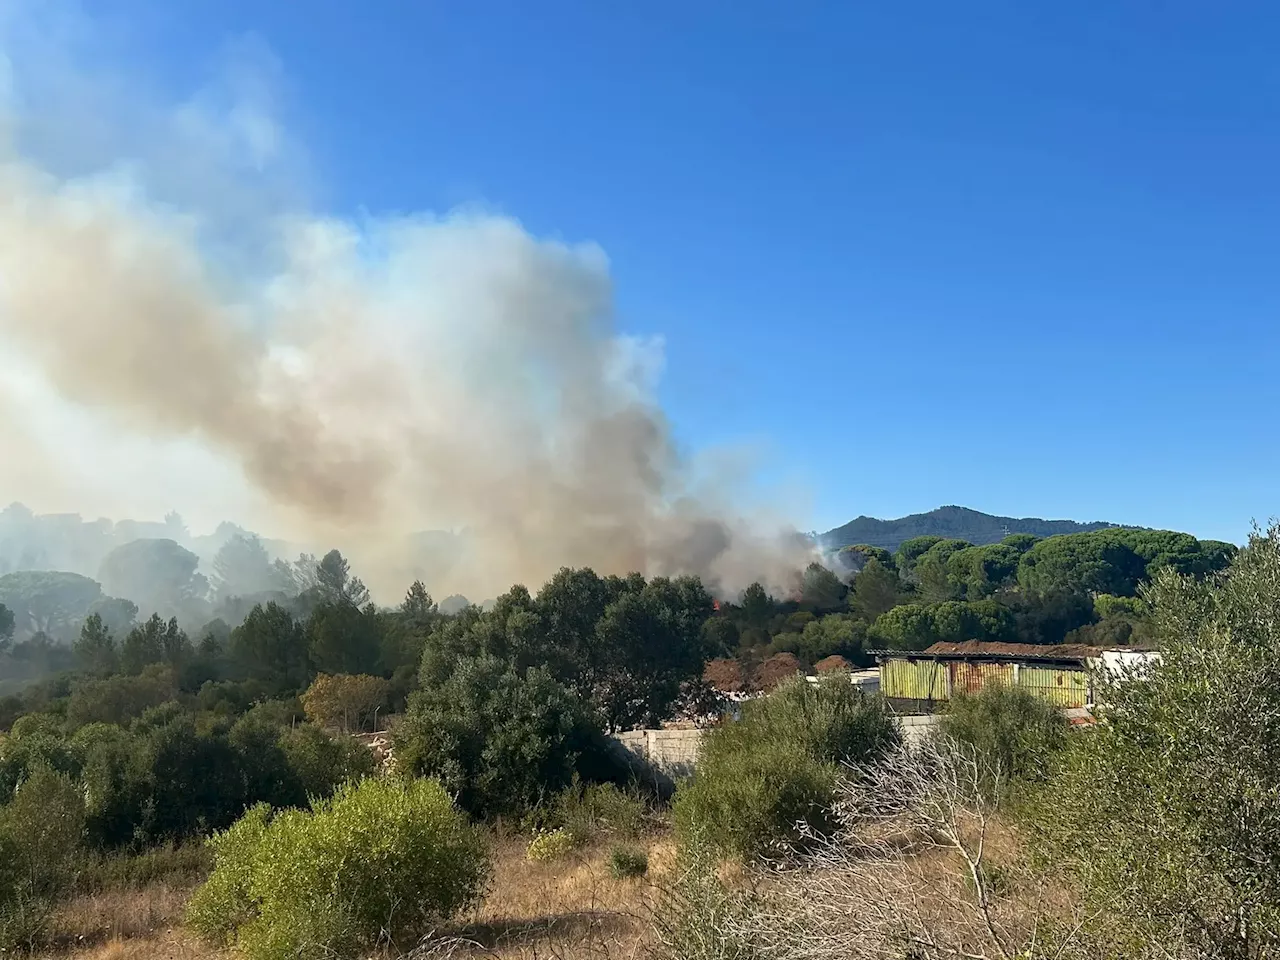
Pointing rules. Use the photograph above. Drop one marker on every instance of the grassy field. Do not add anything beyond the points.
(571, 907)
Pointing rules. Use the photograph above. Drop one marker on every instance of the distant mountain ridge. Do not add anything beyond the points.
(952, 522)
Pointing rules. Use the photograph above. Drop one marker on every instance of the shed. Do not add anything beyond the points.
(1062, 675)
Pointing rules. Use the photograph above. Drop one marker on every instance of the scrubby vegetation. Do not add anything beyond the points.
(769, 780)
(234, 764)
(379, 862)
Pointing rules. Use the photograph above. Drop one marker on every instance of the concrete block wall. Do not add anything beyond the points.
(663, 757)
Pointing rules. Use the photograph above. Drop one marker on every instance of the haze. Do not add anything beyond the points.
(207, 342)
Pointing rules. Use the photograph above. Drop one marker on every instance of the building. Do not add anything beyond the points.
(920, 681)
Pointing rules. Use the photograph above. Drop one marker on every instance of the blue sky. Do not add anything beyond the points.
(1015, 256)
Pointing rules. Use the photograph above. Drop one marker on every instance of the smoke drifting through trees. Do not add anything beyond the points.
(371, 378)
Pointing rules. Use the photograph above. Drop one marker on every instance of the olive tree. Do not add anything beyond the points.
(1166, 816)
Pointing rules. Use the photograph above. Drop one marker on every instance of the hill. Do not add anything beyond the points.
(959, 523)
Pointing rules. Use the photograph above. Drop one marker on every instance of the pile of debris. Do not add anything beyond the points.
(380, 744)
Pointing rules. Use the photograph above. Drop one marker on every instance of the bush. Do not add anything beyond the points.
(501, 740)
(119, 699)
(626, 862)
(753, 802)
(1014, 733)
(698, 916)
(550, 845)
(600, 808)
(40, 832)
(176, 866)
(381, 861)
(322, 762)
(769, 779)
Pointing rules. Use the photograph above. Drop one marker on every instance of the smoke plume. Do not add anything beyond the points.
(366, 379)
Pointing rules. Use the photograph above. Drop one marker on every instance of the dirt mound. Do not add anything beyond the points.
(1061, 651)
(833, 664)
(776, 669)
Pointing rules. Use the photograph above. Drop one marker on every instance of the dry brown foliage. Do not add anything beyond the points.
(924, 867)
(569, 908)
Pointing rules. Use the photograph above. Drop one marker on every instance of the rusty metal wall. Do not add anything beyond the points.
(914, 680)
(1061, 686)
(969, 676)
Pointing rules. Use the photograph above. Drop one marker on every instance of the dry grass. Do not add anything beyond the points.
(162, 945)
(96, 924)
(569, 908)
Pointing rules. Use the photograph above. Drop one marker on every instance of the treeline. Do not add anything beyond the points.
(1076, 588)
(172, 738)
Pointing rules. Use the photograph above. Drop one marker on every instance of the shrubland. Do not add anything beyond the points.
(1039, 839)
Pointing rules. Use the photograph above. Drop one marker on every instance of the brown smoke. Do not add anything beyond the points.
(375, 379)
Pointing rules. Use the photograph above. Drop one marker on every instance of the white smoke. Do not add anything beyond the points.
(171, 315)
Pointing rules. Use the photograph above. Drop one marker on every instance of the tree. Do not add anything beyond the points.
(651, 644)
(404, 632)
(821, 590)
(118, 615)
(569, 607)
(906, 627)
(342, 638)
(1164, 817)
(119, 699)
(910, 551)
(498, 739)
(48, 602)
(511, 631)
(836, 634)
(154, 642)
(1047, 618)
(6, 623)
(158, 575)
(96, 648)
(242, 567)
(757, 605)
(1014, 735)
(418, 607)
(1021, 542)
(933, 573)
(981, 571)
(719, 636)
(345, 701)
(40, 835)
(855, 558)
(335, 583)
(271, 647)
(876, 590)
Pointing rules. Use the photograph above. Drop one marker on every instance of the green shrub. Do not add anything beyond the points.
(769, 779)
(176, 866)
(40, 833)
(1014, 733)
(595, 809)
(500, 739)
(753, 802)
(322, 762)
(550, 845)
(627, 861)
(698, 916)
(380, 861)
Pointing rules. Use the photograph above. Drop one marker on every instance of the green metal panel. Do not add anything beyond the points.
(1061, 686)
(914, 680)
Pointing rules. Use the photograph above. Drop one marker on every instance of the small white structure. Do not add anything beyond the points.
(868, 681)
(1124, 664)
